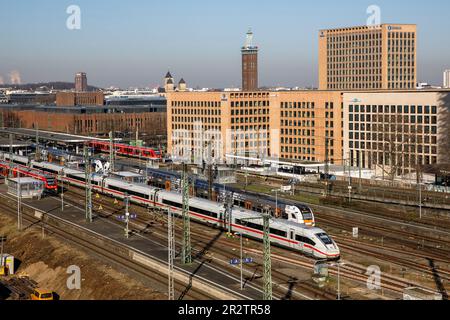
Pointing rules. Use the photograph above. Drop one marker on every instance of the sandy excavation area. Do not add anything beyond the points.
(45, 261)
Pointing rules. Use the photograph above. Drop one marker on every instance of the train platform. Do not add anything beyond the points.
(146, 245)
(50, 136)
(5, 144)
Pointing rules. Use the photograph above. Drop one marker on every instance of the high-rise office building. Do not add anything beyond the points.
(361, 58)
(447, 79)
(80, 82)
(249, 64)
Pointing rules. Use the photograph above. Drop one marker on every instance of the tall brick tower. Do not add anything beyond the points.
(249, 64)
(81, 82)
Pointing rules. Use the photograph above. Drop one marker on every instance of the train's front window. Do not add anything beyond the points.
(307, 216)
(324, 238)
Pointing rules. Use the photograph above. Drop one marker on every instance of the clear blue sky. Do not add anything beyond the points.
(134, 42)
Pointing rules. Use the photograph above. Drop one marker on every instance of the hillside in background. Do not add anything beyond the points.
(50, 85)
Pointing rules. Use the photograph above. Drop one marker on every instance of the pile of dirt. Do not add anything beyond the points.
(45, 260)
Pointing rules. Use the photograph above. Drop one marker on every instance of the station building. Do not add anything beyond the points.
(26, 188)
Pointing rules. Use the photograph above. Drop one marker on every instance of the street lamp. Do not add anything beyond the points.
(338, 264)
(420, 200)
(276, 200)
(241, 262)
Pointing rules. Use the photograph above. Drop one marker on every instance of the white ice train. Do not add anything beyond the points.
(310, 241)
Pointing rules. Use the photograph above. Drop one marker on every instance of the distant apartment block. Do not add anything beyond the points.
(367, 58)
(397, 132)
(447, 79)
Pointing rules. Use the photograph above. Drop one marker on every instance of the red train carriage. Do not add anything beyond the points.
(49, 180)
(126, 150)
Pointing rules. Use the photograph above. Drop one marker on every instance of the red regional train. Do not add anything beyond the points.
(127, 150)
(49, 180)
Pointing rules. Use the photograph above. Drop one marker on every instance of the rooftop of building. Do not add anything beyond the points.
(294, 90)
(353, 28)
(5, 143)
(49, 135)
(84, 109)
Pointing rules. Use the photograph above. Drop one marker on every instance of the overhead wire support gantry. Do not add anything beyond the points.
(267, 260)
(187, 249)
(88, 178)
(171, 253)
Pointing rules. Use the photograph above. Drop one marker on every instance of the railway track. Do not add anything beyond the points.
(355, 273)
(112, 256)
(342, 187)
(219, 253)
(410, 241)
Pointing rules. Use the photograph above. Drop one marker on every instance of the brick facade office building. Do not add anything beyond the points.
(67, 99)
(382, 130)
(298, 125)
(87, 121)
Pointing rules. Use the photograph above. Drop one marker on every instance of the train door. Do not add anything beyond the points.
(291, 237)
(306, 244)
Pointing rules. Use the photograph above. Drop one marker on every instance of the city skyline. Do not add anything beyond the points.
(202, 51)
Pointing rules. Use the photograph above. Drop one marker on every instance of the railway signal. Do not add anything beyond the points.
(236, 261)
(126, 218)
(127, 215)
